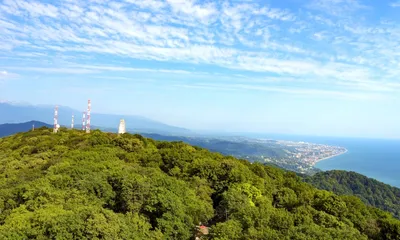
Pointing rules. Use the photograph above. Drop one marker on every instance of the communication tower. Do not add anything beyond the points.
(84, 121)
(72, 121)
(88, 117)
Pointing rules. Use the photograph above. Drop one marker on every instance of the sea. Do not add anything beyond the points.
(374, 158)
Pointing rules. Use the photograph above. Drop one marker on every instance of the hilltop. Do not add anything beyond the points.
(73, 185)
(370, 191)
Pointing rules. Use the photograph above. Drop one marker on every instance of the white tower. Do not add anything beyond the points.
(88, 117)
(56, 126)
(72, 122)
(122, 127)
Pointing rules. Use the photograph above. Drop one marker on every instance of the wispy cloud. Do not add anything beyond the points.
(89, 69)
(325, 42)
(338, 7)
(131, 69)
(4, 75)
(395, 4)
(54, 70)
(308, 92)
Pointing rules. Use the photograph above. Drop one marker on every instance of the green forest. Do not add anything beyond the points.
(73, 185)
(370, 191)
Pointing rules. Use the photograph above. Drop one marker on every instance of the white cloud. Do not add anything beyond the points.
(338, 7)
(131, 69)
(54, 70)
(319, 36)
(35, 9)
(90, 69)
(275, 13)
(5, 75)
(285, 90)
(150, 4)
(395, 4)
(203, 13)
(244, 37)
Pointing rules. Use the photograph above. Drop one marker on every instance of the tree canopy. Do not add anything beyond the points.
(73, 185)
(370, 191)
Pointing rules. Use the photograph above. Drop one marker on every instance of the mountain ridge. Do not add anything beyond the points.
(17, 113)
(12, 128)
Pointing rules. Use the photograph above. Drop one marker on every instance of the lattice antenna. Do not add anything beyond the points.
(88, 117)
(55, 129)
(84, 121)
(72, 121)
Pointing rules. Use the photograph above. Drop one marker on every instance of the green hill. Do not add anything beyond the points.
(73, 185)
(370, 191)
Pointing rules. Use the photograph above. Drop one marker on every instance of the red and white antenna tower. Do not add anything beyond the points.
(55, 120)
(88, 117)
(84, 121)
(72, 121)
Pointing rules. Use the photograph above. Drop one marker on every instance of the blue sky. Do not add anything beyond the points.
(316, 67)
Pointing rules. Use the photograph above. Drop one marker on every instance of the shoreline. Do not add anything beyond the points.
(323, 159)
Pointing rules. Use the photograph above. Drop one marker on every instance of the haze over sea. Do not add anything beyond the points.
(379, 159)
(374, 158)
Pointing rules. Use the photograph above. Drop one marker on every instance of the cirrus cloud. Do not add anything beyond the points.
(313, 43)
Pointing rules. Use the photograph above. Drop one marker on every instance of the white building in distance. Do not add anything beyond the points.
(122, 127)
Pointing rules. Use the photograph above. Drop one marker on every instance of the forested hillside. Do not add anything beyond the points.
(370, 191)
(73, 185)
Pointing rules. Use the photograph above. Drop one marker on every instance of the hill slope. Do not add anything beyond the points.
(11, 113)
(270, 151)
(73, 185)
(370, 191)
(238, 149)
(12, 128)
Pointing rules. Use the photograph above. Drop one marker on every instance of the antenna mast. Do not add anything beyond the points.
(55, 129)
(84, 121)
(72, 121)
(88, 117)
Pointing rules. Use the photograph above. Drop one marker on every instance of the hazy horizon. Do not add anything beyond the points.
(207, 132)
(314, 67)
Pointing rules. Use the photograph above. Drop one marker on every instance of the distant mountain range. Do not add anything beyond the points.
(18, 113)
(12, 128)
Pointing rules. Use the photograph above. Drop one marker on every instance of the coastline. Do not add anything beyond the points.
(319, 160)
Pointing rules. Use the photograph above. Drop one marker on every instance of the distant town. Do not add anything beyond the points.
(302, 156)
(311, 153)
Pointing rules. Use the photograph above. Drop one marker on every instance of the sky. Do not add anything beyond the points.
(314, 67)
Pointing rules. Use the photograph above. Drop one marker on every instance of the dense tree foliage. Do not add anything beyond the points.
(73, 185)
(370, 191)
